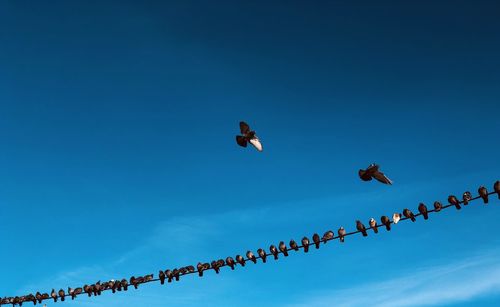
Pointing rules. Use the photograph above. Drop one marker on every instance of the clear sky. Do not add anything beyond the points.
(118, 157)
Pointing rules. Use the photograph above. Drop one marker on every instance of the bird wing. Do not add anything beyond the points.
(382, 178)
(363, 174)
(256, 143)
(244, 128)
(241, 141)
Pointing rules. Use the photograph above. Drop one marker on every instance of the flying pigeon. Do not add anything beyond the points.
(496, 188)
(240, 260)
(248, 136)
(396, 217)
(483, 193)
(282, 248)
(361, 227)
(294, 245)
(452, 199)
(386, 221)
(274, 251)
(262, 254)
(305, 244)
(251, 256)
(373, 172)
(466, 198)
(341, 233)
(437, 206)
(408, 214)
(316, 240)
(422, 208)
(373, 225)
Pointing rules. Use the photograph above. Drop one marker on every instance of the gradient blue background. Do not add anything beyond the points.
(117, 150)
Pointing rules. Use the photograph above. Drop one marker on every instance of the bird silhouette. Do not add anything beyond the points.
(408, 214)
(274, 251)
(361, 227)
(262, 254)
(283, 249)
(316, 240)
(483, 192)
(437, 206)
(248, 136)
(452, 199)
(373, 225)
(341, 233)
(386, 221)
(305, 244)
(251, 256)
(466, 197)
(396, 217)
(422, 208)
(373, 172)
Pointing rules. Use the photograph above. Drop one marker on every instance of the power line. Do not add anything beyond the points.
(176, 273)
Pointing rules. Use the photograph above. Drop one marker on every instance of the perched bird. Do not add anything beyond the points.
(53, 295)
(341, 233)
(496, 188)
(216, 265)
(316, 240)
(294, 245)
(230, 262)
(38, 297)
(274, 251)
(466, 197)
(305, 244)
(97, 288)
(72, 293)
(386, 221)
(422, 208)
(251, 256)
(183, 271)
(262, 254)
(362, 228)
(190, 268)
(283, 249)
(134, 282)
(176, 273)
(61, 295)
(454, 201)
(396, 217)
(483, 193)
(437, 206)
(124, 284)
(373, 172)
(248, 136)
(408, 214)
(148, 278)
(328, 236)
(87, 289)
(161, 276)
(373, 225)
(240, 260)
(169, 275)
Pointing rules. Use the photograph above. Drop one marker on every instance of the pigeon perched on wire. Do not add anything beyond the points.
(283, 249)
(262, 254)
(422, 208)
(452, 199)
(373, 225)
(230, 262)
(274, 251)
(373, 172)
(483, 192)
(408, 214)
(466, 197)
(305, 244)
(437, 206)
(251, 256)
(341, 233)
(294, 245)
(386, 221)
(360, 227)
(248, 136)
(396, 217)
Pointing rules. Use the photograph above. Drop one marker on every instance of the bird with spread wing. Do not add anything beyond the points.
(373, 172)
(248, 136)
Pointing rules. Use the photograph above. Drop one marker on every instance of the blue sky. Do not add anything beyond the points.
(118, 157)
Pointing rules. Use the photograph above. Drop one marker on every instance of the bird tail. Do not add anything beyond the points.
(375, 230)
(365, 234)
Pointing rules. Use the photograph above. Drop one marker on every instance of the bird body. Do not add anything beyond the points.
(248, 136)
(373, 172)
(408, 214)
(341, 233)
(373, 225)
(386, 221)
(422, 208)
(396, 217)
(362, 228)
(483, 193)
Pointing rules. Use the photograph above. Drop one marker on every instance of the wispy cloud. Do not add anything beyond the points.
(438, 285)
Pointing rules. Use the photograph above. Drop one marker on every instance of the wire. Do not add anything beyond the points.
(10, 300)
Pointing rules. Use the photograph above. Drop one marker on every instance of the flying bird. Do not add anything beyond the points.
(396, 217)
(422, 208)
(341, 233)
(248, 136)
(483, 193)
(452, 199)
(408, 214)
(361, 227)
(386, 221)
(373, 225)
(373, 172)
(437, 206)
